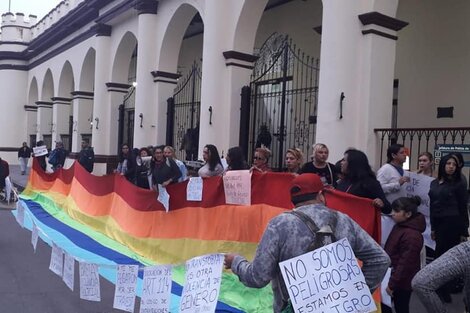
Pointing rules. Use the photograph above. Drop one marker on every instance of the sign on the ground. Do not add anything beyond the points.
(89, 282)
(125, 291)
(57, 260)
(156, 289)
(202, 286)
(69, 270)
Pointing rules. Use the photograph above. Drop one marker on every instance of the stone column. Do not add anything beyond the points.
(82, 117)
(60, 118)
(224, 72)
(146, 119)
(44, 120)
(357, 61)
(165, 83)
(101, 132)
(31, 122)
(116, 92)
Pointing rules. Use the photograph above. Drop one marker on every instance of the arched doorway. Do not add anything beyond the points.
(182, 49)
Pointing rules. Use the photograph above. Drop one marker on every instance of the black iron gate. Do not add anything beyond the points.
(279, 107)
(126, 120)
(183, 115)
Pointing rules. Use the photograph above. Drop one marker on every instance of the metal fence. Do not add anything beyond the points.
(418, 140)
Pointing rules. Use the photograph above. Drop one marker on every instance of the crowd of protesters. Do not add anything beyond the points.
(149, 167)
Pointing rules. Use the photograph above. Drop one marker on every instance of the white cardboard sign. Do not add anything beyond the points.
(69, 270)
(237, 187)
(126, 282)
(39, 151)
(57, 260)
(194, 189)
(156, 289)
(164, 197)
(327, 279)
(202, 286)
(20, 214)
(419, 186)
(89, 282)
(34, 236)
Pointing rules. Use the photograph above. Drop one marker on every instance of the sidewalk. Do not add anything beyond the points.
(17, 179)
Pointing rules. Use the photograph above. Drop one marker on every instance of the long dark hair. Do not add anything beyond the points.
(393, 149)
(442, 175)
(122, 157)
(214, 157)
(236, 158)
(358, 166)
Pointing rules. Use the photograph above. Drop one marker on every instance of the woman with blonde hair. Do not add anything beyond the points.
(261, 159)
(294, 159)
(425, 164)
(169, 152)
(320, 166)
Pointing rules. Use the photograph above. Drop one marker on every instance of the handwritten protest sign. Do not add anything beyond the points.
(69, 270)
(156, 289)
(202, 286)
(34, 236)
(40, 151)
(164, 197)
(126, 282)
(89, 282)
(57, 260)
(237, 187)
(20, 214)
(419, 186)
(194, 189)
(326, 280)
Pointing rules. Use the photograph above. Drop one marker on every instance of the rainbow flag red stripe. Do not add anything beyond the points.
(131, 222)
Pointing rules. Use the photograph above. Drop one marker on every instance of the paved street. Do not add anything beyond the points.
(27, 285)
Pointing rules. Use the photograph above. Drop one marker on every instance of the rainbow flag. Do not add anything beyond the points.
(108, 221)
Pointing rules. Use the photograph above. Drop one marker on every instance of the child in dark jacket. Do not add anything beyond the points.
(404, 247)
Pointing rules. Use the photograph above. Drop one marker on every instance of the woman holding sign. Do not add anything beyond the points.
(448, 208)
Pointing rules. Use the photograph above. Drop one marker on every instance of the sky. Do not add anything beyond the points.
(34, 7)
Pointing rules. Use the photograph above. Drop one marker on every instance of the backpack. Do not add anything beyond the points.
(322, 237)
(53, 158)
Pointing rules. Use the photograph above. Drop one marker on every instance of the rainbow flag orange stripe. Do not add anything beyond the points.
(130, 221)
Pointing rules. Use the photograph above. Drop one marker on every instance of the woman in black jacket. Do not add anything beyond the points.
(448, 210)
(359, 179)
(164, 170)
(448, 206)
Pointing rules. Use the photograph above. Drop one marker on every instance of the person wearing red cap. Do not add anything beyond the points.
(288, 236)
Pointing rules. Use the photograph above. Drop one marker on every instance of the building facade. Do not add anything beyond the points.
(197, 72)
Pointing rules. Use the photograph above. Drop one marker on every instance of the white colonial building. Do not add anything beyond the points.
(193, 72)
